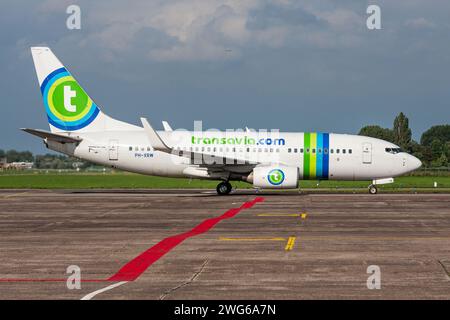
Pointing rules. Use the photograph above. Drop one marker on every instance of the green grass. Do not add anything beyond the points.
(73, 180)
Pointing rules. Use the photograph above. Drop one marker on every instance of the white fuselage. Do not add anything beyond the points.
(342, 157)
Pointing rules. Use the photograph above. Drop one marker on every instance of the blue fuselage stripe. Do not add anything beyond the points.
(319, 158)
(326, 156)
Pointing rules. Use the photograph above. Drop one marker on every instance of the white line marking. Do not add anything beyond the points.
(93, 294)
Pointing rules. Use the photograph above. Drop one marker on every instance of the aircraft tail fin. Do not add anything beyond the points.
(68, 106)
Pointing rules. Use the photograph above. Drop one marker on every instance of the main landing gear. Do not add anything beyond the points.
(224, 188)
(373, 189)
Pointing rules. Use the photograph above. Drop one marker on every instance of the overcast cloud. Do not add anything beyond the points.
(293, 65)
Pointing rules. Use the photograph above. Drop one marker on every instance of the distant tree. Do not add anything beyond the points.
(17, 156)
(2, 153)
(436, 148)
(441, 161)
(441, 133)
(419, 151)
(377, 132)
(402, 132)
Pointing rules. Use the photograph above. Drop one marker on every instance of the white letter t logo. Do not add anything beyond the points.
(68, 95)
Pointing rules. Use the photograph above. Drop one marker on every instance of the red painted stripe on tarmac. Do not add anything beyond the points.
(133, 269)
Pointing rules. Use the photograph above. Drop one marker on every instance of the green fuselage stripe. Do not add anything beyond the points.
(306, 155)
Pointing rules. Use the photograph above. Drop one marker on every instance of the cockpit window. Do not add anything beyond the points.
(393, 150)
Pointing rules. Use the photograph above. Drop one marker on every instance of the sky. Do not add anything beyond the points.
(291, 65)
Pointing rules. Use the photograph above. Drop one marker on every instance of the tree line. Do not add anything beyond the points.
(45, 161)
(434, 146)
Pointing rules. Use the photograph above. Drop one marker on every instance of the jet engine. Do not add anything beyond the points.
(274, 177)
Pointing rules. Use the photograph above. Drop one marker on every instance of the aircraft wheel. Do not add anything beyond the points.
(373, 189)
(223, 188)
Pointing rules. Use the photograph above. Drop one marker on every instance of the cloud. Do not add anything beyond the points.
(199, 30)
(313, 64)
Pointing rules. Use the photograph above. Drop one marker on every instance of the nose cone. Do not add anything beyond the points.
(414, 163)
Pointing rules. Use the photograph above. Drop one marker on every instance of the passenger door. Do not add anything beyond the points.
(367, 153)
(113, 150)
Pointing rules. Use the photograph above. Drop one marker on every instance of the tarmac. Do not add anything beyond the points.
(193, 244)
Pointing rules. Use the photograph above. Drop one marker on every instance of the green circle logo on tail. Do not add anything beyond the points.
(67, 104)
(69, 99)
(276, 177)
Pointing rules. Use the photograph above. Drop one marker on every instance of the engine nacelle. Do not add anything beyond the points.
(274, 177)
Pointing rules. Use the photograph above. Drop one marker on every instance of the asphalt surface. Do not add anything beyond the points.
(156, 245)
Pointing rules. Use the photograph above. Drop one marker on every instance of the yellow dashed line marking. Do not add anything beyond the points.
(251, 239)
(290, 244)
(278, 215)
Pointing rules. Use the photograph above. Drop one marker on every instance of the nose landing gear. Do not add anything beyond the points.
(373, 189)
(223, 188)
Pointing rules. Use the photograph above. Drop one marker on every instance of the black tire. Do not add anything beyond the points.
(373, 189)
(223, 188)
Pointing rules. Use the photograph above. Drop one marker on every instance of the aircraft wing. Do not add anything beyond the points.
(58, 137)
(158, 144)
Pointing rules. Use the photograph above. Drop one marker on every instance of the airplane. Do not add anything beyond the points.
(268, 160)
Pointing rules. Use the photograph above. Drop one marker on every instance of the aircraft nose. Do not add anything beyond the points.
(414, 163)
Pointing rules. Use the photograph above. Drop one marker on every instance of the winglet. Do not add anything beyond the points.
(167, 126)
(155, 140)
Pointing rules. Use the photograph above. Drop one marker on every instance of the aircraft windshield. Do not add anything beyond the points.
(394, 150)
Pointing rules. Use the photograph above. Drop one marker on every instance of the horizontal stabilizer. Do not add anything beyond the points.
(62, 138)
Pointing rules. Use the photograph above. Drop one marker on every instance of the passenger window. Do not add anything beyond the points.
(313, 150)
(295, 150)
(331, 150)
(307, 150)
(337, 150)
(131, 149)
(301, 150)
(277, 150)
(325, 150)
(343, 150)
(289, 150)
(319, 150)
(248, 149)
(136, 148)
(350, 151)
